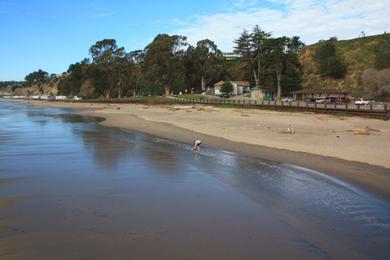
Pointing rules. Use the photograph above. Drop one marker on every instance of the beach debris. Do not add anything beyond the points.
(245, 115)
(362, 131)
(290, 129)
(173, 109)
(118, 108)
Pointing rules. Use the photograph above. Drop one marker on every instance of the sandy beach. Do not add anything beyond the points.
(353, 149)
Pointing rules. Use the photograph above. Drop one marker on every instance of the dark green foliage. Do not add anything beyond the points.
(70, 84)
(37, 77)
(227, 87)
(10, 85)
(331, 64)
(382, 52)
(270, 62)
(282, 68)
(168, 64)
(163, 60)
(203, 64)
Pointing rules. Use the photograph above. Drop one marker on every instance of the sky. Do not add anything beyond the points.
(51, 35)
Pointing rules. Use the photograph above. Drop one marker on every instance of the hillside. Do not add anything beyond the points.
(358, 54)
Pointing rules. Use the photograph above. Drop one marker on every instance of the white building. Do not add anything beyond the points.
(231, 55)
(239, 87)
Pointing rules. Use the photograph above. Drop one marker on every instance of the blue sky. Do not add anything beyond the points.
(50, 35)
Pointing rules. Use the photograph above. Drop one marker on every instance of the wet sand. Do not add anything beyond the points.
(319, 143)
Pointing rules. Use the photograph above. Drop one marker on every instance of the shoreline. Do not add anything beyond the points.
(374, 179)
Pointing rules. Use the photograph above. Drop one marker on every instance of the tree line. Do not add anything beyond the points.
(169, 64)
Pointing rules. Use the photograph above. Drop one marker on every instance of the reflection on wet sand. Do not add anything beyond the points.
(89, 192)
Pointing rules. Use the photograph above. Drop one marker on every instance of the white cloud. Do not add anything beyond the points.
(312, 20)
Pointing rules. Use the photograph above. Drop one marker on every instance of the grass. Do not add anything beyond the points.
(359, 55)
(193, 96)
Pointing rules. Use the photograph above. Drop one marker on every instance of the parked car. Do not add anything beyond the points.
(331, 100)
(342, 100)
(287, 99)
(320, 100)
(311, 100)
(224, 95)
(363, 102)
(77, 98)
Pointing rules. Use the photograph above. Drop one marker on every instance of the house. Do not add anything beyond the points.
(231, 55)
(305, 94)
(239, 87)
(264, 93)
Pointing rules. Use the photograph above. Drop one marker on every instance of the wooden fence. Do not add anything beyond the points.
(372, 110)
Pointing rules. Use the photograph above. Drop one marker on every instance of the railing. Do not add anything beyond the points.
(375, 110)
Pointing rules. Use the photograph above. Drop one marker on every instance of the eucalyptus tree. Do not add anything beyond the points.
(164, 59)
(204, 63)
(136, 78)
(37, 78)
(108, 65)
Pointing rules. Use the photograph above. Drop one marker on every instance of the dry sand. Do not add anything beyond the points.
(351, 148)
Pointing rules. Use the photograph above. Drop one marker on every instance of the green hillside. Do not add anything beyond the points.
(358, 54)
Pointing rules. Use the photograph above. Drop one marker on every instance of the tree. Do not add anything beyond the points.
(282, 65)
(258, 40)
(163, 60)
(227, 87)
(37, 78)
(203, 64)
(276, 60)
(243, 48)
(382, 52)
(376, 83)
(108, 66)
(137, 77)
(331, 64)
(70, 84)
(250, 46)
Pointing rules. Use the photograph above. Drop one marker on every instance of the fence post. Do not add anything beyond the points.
(385, 107)
(371, 107)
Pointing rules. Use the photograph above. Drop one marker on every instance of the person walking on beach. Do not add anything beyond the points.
(196, 145)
